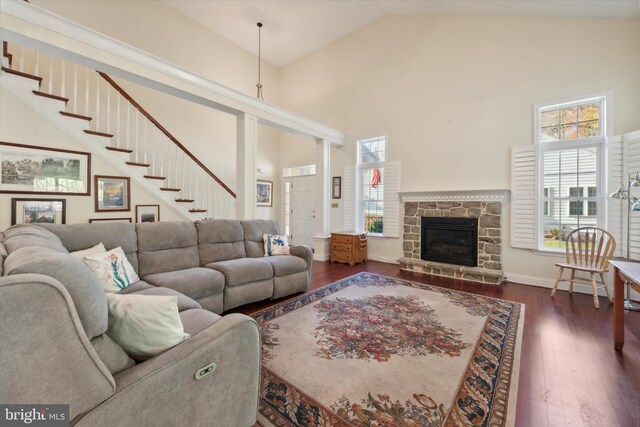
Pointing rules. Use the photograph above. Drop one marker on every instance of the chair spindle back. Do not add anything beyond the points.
(595, 247)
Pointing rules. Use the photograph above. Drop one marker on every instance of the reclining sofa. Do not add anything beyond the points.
(54, 348)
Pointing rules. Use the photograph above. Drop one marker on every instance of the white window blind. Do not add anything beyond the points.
(391, 199)
(615, 208)
(523, 197)
(631, 143)
(349, 197)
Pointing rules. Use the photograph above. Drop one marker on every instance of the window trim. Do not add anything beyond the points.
(599, 142)
(360, 167)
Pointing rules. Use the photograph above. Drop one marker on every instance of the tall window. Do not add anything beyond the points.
(570, 138)
(371, 158)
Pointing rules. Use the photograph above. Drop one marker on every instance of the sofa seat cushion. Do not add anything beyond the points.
(194, 282)
(286, 264)
(197, 320)
(243, 270)
(184, 302)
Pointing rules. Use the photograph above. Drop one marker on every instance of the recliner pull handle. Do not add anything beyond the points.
(205, 370)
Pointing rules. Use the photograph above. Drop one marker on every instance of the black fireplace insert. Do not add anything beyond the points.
(449, 240)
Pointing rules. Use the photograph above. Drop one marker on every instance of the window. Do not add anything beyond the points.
(570, 140)
(371, 160)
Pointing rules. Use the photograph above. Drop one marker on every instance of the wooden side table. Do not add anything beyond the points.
(348, 247)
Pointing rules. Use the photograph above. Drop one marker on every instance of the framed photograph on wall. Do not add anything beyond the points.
(112, 193)
(28, 169)
(126, 220)
(147, 213)
(264, 193)
(336, 187)
(38, 211)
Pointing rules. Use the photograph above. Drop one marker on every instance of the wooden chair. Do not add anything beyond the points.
(594, 250)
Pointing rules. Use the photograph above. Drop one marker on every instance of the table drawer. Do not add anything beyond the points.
(345, 247)
(346, 256)
(337, 238)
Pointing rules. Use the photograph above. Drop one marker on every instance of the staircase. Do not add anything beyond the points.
(93, 109)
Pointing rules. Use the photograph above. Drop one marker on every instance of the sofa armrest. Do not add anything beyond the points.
(164, 391)
(304, 252)
(44, 353)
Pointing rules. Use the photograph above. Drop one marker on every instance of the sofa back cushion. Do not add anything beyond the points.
(254, 230)
(25, 235)
(167, 246)
(76, 237)
(220, 240)
(85, 290)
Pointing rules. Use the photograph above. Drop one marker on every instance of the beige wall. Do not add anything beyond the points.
(454, 94)
(20, 124)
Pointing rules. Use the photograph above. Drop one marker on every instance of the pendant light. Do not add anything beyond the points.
(259, 85)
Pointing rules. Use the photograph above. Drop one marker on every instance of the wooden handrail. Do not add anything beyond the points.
(128, 97)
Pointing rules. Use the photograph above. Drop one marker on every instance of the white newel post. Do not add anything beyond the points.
(322, 236)
(246, 148)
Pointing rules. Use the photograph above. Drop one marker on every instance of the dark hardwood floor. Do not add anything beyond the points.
(570, 374)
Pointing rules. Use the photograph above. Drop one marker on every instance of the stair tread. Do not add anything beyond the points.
(121, 150)
(76, 116)
(51, 96)
(22, 74)
(96, 133)
(170, 189)
(155, 177)
(146, 165)
(185, 200)
(197, 210)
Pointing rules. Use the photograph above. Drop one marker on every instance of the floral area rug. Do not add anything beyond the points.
(371, 350)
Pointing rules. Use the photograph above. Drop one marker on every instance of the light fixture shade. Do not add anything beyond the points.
(635, 204)
(636, 180)
(620, 193)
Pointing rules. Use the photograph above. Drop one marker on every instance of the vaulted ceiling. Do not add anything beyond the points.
(295, 28)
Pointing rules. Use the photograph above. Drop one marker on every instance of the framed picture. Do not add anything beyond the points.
(336, 187)
(28, 169)
(92, 220)
(38, 211)
(147, 213)
(112, 193)
(264, 193)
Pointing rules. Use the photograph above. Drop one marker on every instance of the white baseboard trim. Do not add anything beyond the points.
(382, 259)
(546, 283)
(321, 257)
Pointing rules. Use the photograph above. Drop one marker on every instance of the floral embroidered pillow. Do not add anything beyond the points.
(275, 245)
(113, 269)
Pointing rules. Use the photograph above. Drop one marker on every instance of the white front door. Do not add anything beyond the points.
(303, 212)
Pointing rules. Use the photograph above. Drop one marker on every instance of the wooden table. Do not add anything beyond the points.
(624, 272)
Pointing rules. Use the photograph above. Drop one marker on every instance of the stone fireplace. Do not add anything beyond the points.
(454, 234)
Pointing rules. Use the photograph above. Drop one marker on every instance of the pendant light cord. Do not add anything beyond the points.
(259, 85)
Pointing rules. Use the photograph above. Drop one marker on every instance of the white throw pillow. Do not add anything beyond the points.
(97, 249)
(113, 269)
(144, 325)
(275, 245)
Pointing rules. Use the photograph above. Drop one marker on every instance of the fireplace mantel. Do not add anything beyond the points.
(500, 195)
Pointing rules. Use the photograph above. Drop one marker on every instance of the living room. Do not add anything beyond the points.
(356, 121)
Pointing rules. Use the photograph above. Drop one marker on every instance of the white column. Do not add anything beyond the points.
(323, 200)
(246, 147)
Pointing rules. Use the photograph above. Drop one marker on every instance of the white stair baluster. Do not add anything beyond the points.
(98, 103)
(108, 89)
(86, 92)
(118, 121)
(137, 149)
(50, 83)
(75, 88)
(21, 59)
(184, 181)
(128, 126)
(63, 86)
(146, 143)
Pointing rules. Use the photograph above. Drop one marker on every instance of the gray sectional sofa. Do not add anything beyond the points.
(54, 318)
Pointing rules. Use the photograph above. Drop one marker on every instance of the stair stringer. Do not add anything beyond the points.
(49, 109)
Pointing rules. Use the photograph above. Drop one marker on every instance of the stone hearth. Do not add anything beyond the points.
(484, 205)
